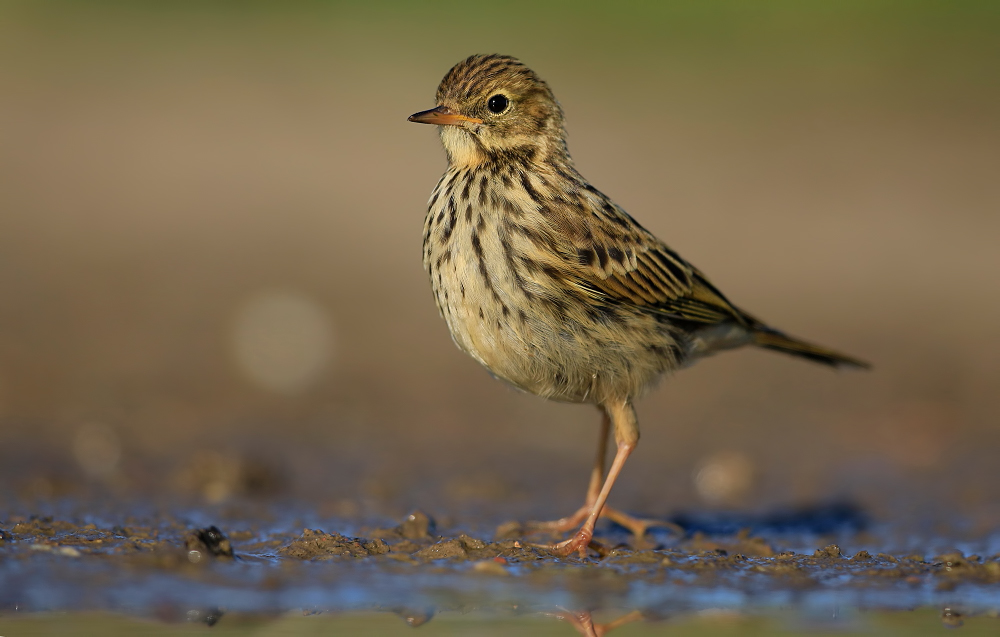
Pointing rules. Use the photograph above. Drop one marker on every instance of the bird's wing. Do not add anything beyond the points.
(614, 259)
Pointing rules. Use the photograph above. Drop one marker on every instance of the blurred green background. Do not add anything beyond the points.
(210, 277)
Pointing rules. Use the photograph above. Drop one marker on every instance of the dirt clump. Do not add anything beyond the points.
(467, 548)
(319, 545)
(952, 568)
(830, 551)
(417, 526)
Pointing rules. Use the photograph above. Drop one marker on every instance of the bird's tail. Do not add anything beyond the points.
(773, 339)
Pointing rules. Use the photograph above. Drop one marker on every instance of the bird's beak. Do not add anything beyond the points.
(443, 116)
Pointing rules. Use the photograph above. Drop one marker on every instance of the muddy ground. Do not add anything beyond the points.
(243, 573)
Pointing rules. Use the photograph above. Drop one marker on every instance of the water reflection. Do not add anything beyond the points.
(224, 564)
(583, 621)
(488, 621)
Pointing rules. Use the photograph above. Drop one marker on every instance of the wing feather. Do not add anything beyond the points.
(624, 263)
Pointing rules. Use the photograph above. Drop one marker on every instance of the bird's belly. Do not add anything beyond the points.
(542, 349)
(485, 323)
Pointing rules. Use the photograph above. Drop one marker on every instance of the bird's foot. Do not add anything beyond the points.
(578, 544)
(562, 525)
(637, 526)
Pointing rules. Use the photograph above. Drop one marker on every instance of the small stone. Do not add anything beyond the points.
(210, 542)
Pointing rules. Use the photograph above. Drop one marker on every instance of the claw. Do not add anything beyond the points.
(578, 544)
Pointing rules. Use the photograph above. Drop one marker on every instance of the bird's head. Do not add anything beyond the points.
(489, 106)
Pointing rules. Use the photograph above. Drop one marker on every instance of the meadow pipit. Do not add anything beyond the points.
(548, 283)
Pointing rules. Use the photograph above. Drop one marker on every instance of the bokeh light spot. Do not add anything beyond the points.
(97, 449)
(282, 341)
(724, 477)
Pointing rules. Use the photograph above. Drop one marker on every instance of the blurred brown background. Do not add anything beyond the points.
(210, 277)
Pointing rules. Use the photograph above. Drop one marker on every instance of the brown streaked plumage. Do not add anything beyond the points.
(548, 283)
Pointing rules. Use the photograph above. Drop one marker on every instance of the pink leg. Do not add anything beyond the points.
(636, 526)
(593, 490)
(622, 417)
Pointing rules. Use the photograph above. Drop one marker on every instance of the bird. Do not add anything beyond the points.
(553, 287)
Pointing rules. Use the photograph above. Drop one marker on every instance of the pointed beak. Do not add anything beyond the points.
(442, 116)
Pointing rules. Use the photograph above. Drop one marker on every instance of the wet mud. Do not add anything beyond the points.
(165, 570)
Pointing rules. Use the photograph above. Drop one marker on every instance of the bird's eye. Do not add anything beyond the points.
(497, 104)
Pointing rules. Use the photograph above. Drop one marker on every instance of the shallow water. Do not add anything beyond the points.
(824, 568)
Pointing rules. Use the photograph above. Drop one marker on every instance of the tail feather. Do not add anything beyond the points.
(773, 339)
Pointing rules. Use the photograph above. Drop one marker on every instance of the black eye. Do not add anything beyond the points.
(497, 104)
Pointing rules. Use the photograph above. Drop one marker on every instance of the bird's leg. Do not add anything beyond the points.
(593, 490)
(626, 428)
(597, 473)
(636, 526)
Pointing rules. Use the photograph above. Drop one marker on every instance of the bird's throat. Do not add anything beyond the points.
(464, 151)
